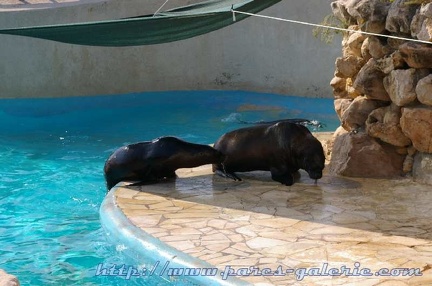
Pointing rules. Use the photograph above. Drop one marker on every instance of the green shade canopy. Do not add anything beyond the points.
(173, 25)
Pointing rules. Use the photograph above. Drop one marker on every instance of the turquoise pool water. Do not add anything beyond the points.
(52, 153)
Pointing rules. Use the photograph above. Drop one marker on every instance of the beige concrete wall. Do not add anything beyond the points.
(254, 54)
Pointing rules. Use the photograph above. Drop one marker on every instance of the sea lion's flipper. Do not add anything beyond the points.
(282, 176)
(227, 175)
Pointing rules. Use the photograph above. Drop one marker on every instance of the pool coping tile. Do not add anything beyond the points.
(139, 243)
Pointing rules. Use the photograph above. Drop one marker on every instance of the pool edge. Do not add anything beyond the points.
(122, 230)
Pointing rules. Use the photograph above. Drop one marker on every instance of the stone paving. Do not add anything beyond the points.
(356, 223)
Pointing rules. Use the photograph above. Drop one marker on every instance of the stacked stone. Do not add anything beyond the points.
(383, 90)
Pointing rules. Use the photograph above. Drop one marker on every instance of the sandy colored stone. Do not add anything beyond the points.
(350, 89)
(347, 66)
(286, 236)
(339, 10)
(185, 230)
(416, 123)
(377, 48)
(350, 218)
(408, 164)
(341, 105)
(421, 25)
(216, 237)
(221, 259)
(185, 245)
(362, 10)
(338, 84)
(360, 220)
(246, 231)
(360, 155)
(161, 205)
(364, 50)
(355, 115)
(276, 222)
(383, 123)
(417, 55)
(331, 230)
(217, 223)
(147, 221)
(208, 214)
(424, 90)
(206, 257)
(390, 63)
(192, 222)
(369, 81)
(401, 85)
(261, 242)
(183, 237)
(400, 16)
(353, 45)
(236, 252)
(126, 193)
(422, 168)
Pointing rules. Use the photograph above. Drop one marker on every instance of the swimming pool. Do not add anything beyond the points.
(52, 153)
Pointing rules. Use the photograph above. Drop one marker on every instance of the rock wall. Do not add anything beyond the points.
(383, 90)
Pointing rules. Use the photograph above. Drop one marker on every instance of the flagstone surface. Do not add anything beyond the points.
(372, 224)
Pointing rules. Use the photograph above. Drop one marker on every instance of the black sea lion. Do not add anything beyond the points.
(282, 148)
(302, 121)
(151, 161)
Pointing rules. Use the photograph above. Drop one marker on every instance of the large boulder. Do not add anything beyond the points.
(339, 10)
(369, 81)
(357, 112)
(8, 279)
(392, 62)
(359, 155)
(421, 25)
(328, 145)
(338, 84)
(341, 105)
(378, 47)
(383, 123)
(367, 10)
(348, 66)
(417, 55)
(353, 45)
(422, 168)
(401, 84)
(424, 90)
(425, 32)
(399, 16)
(426, 10)
(416, 123)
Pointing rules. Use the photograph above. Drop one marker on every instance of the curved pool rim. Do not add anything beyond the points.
(122, 231)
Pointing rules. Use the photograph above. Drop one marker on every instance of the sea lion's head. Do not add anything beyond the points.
(194, 155)
(313, 159)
